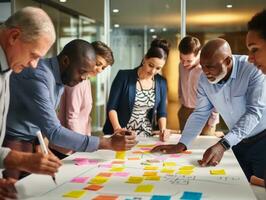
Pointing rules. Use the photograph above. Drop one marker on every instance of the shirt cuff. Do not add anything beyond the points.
(232, 139)
(214, 119)
(186, 141)
(3, 153)
(93, 144)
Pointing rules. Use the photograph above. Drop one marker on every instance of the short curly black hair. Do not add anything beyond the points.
(258, 23)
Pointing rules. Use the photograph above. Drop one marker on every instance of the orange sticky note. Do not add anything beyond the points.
(75, 194)
(144, 188)
(93, 187)
(105, 197)
(134, 158)
(105, 174)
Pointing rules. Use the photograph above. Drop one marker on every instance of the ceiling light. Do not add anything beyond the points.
(152, 30)
(229, 6)
(62, 1)
(164, 29)
(116, 25)
(115, 10)
(154, 36)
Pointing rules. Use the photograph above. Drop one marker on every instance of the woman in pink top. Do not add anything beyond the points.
(76, 102)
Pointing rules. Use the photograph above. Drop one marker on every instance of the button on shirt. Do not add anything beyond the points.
(241, 101)
(4, 102)
(35, 94)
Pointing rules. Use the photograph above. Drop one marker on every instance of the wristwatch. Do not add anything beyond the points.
(224, 143)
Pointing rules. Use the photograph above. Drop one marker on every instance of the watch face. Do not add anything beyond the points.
(225, 144)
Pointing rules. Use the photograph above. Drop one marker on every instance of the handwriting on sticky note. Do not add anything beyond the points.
(135, 179)
(144, 188)
(217, 172)
(75, 194)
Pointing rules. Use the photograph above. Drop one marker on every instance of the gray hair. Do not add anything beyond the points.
(33, 22)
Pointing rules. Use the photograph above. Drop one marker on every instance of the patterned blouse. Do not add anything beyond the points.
(144, 102)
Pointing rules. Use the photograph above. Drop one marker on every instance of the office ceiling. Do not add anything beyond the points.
(208, 15)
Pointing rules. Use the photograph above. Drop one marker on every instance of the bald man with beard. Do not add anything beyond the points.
(237, 90)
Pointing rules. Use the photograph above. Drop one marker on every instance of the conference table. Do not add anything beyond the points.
(139, 175)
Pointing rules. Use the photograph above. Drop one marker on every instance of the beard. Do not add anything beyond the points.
(219, 77)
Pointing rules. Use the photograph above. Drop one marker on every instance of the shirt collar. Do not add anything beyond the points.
(56, 70)
(234, 70)
(3, 62)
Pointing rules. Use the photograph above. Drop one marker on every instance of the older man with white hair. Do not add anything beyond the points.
(24, 38)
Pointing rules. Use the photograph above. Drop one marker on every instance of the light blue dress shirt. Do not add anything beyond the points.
(241, 101)
(34, 97)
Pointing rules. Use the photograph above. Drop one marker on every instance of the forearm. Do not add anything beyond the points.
(162, 123)
(3, 154)
(15, 160)
(114, 119)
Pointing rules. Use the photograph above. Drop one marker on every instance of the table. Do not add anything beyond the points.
(232, 185)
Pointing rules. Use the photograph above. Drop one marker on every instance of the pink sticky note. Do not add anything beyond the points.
(175, 156)
(79, 179)
(121, 174)
(145, 148)
(81, 161)
(105, 165)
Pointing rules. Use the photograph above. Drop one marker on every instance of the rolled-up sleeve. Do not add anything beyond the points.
(161, 112)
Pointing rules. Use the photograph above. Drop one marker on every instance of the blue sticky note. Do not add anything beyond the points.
(191, 196)
(160, 197)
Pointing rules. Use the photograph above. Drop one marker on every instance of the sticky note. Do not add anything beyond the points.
(217, 172)
(79, 179)
(105, 197)
(120, 155)
(160, 197)
(187, 167)
(105, 165)
(153, 161)
(134, 158)
(168, 171)
(145, 145)
(75, 194)
(149, 173)
(135, 179)
(144, 188)
(152, 178)
(81, 161)
(105, 174)
(137, 152)
(169, 164)
(120, 162)
(121, 174)
(117, 169)
(191, 195)
(151, 168)
(185, 172)
(145, 148)
(93, 187)
(99, 180)
(175, 155)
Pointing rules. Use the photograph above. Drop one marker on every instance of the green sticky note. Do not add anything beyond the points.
(144, 188)
(75, 194)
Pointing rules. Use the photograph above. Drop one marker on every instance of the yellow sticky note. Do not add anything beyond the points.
(217, 172)
(117, 169)
(75, 194)
(187, 167)
(169, 164)
(185, 172)
(135, 179)
(120, 155)
(151, 168)
(144, 188)
(152, 178)
(168, 171)
(99, 180)
(149, 173)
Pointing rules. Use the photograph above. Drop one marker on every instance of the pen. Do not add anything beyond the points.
(43, 148)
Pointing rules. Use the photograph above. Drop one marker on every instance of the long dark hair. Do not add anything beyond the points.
(159, 49)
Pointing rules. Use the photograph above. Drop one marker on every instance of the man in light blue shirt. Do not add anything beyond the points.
(35, 95)
(237, 90)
